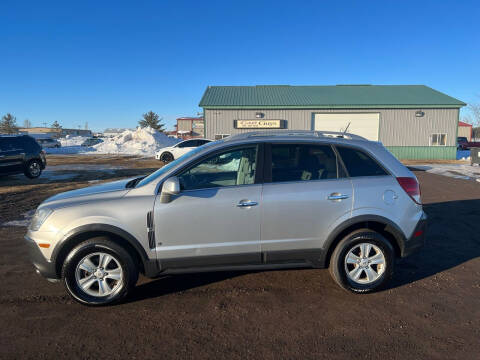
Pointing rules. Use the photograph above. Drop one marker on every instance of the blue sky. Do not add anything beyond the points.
(107, 62)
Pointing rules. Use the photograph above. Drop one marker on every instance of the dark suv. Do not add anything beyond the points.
(21, 154)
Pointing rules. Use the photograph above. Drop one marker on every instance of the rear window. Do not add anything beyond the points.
(359, 163)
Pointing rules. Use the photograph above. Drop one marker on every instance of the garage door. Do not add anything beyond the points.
(365, 125)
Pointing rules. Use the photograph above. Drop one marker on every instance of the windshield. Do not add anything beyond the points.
(160, 172)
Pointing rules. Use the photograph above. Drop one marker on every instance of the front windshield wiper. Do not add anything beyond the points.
(132, 183)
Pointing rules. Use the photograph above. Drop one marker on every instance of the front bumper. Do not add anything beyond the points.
(42, 265)
(417, 239)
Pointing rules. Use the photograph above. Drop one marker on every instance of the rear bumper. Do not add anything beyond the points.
(42, 265)
(417, 239)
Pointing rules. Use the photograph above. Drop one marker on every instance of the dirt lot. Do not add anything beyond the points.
(431, 310)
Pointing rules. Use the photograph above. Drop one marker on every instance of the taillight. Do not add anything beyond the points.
(411, 187)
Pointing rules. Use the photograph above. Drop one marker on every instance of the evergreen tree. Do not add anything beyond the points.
(153, 120)
(8, 125)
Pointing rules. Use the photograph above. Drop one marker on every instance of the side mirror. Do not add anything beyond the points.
(170, 187)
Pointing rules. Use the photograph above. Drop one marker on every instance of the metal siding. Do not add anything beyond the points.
(424, 152)
(398, 127)
(465, 131)
(184, 125)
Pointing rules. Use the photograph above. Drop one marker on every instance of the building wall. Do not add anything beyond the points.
(406, 135)
(465, 131)
(184, 125)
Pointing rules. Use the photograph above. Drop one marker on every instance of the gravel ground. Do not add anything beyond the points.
(431, 310)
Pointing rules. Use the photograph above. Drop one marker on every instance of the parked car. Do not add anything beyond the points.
(464, 144)
(21, 154)
(174, 152)
(49, 143)
(303, 199)
(92, 142)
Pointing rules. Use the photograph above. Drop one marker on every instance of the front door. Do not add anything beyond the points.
(306, 194)
(215, 220)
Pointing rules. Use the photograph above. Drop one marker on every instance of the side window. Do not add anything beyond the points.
(299, 162)
(11, 144)
(187, 143)
(31, 144)
(438, 139)
(202, 142)
(358, 163)
(231, 168)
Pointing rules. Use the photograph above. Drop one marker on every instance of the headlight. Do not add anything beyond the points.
(39, 218)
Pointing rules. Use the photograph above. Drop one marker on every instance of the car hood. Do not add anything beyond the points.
(96, 192)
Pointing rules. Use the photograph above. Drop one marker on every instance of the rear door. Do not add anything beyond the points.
(305, 194)
(11, 155)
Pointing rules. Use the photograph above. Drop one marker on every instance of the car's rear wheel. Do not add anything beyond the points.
(363, 261)
(166, 157)
(99, 272)
(33, 169)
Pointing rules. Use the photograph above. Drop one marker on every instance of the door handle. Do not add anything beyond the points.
(337, 196)
(246, 203)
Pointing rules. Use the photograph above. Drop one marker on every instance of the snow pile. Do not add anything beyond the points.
(72, 140)
(145, 142)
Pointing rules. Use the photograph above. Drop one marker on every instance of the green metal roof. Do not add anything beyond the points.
(337, 96)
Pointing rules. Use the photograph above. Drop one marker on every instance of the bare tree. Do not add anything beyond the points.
(27, 123)
(8, 124)
(473, 117)
(474, 109)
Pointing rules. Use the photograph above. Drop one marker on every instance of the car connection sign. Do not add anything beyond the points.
(259, 124)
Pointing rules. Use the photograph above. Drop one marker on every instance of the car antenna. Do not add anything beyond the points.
(345, 131)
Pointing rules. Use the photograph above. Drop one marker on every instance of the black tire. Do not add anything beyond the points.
(104, 245)
(33, 169)
(338, 267)
(166, 157)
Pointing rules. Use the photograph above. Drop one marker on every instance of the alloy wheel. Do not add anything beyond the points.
(99, 274)
(365, 263)
(34, 169)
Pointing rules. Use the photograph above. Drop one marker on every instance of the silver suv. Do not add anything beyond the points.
(251, 201)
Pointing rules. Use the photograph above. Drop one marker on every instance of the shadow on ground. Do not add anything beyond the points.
(452, 239)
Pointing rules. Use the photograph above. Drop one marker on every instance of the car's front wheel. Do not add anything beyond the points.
(33, 169)
(99, 272)
(363, 261)
(166, 157)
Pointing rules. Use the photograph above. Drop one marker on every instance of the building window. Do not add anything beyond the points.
(438, 140)
(221, 136)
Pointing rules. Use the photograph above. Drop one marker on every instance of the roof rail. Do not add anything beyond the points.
(300, 133)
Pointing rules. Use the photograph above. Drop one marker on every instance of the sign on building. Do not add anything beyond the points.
(259, 124)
